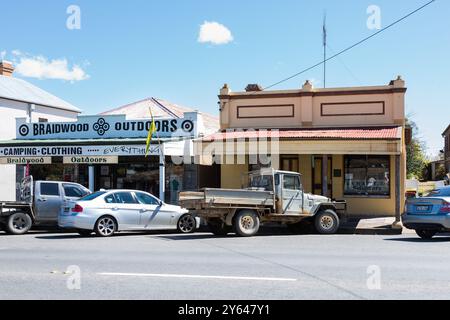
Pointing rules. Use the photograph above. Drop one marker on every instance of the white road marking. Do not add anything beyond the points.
(149, 275)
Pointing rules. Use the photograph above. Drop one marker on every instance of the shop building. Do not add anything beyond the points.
(348, 143)
(20, 99)
(109, 150)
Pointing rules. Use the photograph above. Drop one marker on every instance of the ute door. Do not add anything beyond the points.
(48, 202)
(153, 216)
(292, 194)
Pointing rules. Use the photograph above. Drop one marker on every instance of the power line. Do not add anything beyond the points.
(352, 46)
(345, 65)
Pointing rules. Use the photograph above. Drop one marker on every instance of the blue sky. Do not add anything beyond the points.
(130, 50)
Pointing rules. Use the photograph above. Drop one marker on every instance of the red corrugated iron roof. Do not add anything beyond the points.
(390, 133)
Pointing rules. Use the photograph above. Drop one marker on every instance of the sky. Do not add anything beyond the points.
(100, 54)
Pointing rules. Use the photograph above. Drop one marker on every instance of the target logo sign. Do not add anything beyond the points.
(24, 130)
(187, 126)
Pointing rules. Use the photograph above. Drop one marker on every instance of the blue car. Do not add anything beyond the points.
(429, 215)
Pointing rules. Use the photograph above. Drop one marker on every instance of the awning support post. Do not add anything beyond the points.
(325, 177)
(92, 178)
(162, 175)
(398, 219)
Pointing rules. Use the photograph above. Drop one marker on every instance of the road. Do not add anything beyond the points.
(274, 265)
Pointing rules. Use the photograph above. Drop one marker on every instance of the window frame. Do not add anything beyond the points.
(367, 161)
(157, 201)
(132, 195)
(50, 195)
(64, 185)
(297, 178)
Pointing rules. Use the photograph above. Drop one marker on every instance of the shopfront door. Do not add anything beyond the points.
(317, 176)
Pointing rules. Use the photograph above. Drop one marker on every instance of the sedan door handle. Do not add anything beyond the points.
(115, 209)
(42, 200)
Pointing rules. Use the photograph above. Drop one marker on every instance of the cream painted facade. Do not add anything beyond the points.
(339, 111)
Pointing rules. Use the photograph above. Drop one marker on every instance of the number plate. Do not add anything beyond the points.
(422, 208)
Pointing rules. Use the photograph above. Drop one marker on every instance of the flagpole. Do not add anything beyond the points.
(162, 170)
(162, 162)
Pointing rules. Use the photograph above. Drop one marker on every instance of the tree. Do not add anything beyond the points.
(416, 159)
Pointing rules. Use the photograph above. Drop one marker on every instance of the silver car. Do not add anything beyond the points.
(107, 212)
(429, 215)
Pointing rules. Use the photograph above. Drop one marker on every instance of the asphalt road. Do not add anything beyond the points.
(274, 265)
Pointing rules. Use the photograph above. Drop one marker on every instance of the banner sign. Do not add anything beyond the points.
(107, 127)
(26, 160)
(91, 160)
(71, 151)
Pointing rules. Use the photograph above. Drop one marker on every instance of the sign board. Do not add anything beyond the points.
(26, 160)
(71, 151)
(108, 127)
(91, 160)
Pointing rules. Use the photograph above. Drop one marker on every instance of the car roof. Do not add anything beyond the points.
(122, 190)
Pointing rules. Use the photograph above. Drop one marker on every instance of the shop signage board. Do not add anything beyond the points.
(108, 127)
(74, 151)
(25, 160)
(91, 160)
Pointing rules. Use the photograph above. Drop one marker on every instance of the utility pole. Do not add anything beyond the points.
(324, 30)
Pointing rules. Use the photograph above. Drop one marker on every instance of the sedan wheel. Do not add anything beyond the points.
(105, 227)
(187, 224)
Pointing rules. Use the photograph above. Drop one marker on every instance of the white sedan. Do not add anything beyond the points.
(107, 212)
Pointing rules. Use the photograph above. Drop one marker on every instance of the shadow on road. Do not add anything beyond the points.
(419, 240)
(205, 234)
(63, 236)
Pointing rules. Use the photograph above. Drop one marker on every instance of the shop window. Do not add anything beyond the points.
(367, 175)
(125, 198)
(290, 163)
(146, 199)
(49, 189)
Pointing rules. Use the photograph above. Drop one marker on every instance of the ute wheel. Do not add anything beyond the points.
(18, 223)
(246, 223)
(426, 234)
(106, 226)
(219, 228)
(327, 222)
(187, 224)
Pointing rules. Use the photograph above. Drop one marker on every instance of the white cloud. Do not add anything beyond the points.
(42, 68)
(215, 33)
(2, 55)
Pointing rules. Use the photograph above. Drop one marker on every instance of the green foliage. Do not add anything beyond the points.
(416, 159)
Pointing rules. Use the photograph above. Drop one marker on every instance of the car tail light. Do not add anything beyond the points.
(445, 208)
(77, 209)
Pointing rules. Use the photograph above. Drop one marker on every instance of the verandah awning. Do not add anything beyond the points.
(371, 140)
(375, 133)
